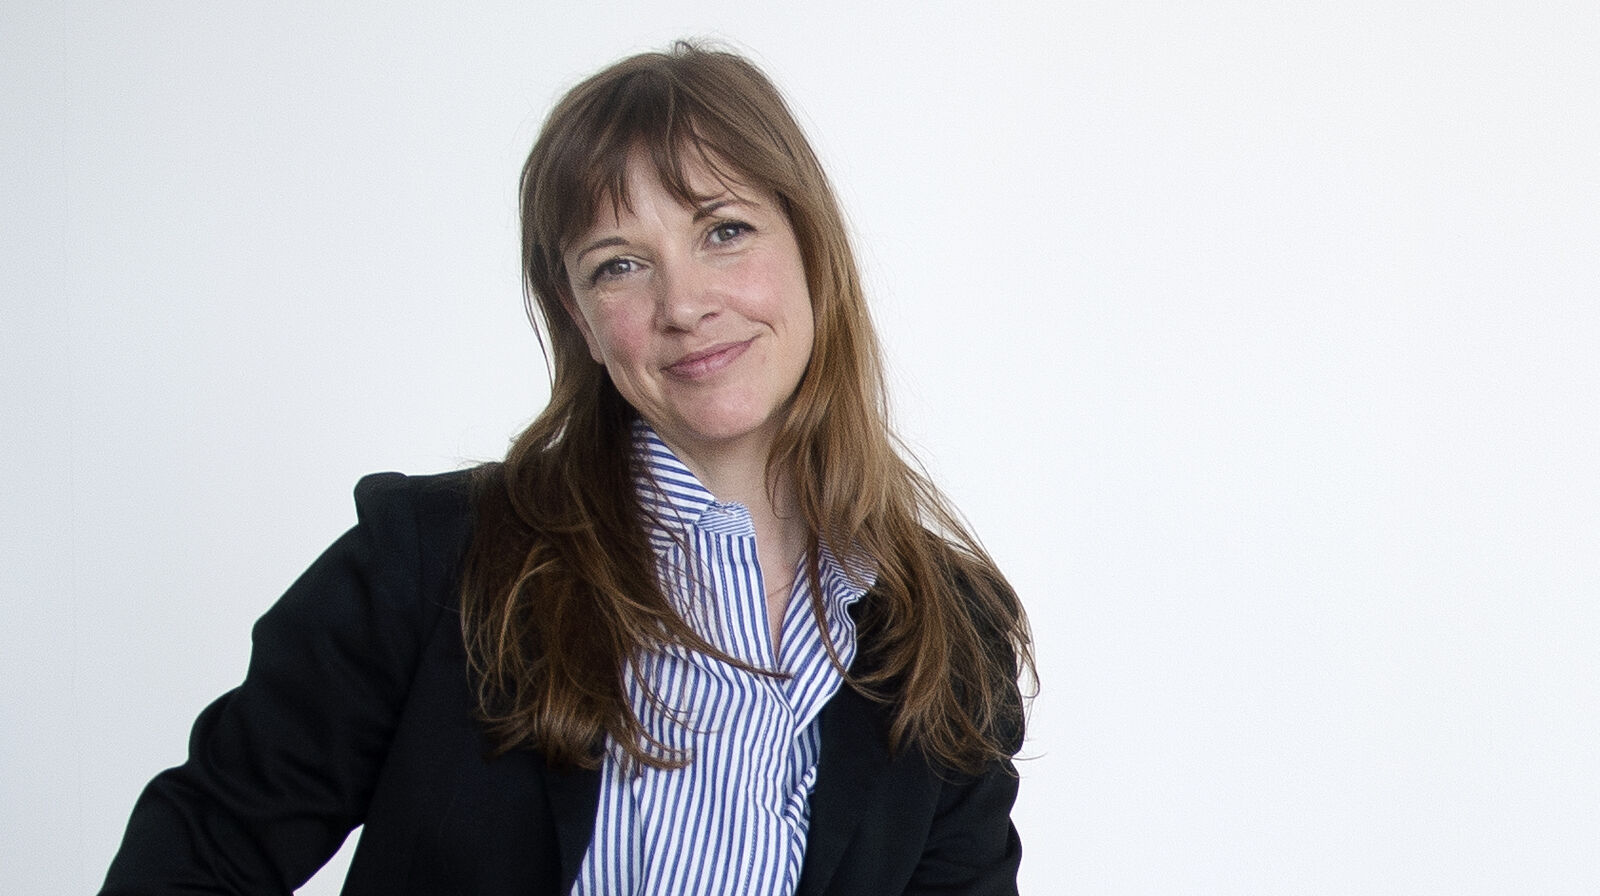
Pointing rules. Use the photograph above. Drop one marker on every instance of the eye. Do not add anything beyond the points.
(612, 268)
(728, 231)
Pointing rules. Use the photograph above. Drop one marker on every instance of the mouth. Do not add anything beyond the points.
(707, 361)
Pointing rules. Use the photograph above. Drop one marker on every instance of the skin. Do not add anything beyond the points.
(702, 317)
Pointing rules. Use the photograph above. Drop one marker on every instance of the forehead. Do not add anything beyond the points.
(692, 178)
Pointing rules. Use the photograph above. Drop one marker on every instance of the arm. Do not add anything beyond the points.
(281, 768)
(972, 848)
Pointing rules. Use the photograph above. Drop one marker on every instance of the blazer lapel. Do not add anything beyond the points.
(853, 757)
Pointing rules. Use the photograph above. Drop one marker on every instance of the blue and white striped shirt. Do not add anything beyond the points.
(734, 820)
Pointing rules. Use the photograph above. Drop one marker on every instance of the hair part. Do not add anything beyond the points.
(560, 595)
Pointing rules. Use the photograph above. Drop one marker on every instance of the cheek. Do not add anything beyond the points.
(782, 295)
(589, 339)
(800, 311)
(616, 336)
(798, 288)
(575, 315)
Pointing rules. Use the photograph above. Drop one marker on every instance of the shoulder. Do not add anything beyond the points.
(997, 663)
(425, 515)
(437, 497)
(399, 563)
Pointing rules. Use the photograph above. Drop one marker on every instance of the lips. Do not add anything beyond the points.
(707, 361)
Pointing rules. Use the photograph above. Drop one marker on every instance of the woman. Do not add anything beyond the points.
(703, 630)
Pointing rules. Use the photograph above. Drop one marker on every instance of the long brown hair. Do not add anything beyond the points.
(560, 594)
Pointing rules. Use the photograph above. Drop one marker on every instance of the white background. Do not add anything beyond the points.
(1259, 341)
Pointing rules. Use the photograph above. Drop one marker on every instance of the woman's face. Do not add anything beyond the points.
(701, 315)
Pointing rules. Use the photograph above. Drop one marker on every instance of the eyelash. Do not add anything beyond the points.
(606, 268)
(740, 227)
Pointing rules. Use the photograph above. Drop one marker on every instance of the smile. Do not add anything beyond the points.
(706, 362)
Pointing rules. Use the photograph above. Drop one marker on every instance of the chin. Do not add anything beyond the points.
(729, 432)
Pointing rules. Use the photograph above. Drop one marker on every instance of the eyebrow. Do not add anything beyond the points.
(599, 244)
(701, 212)
(710, 208)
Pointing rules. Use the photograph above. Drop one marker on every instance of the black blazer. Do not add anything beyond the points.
(357, 710)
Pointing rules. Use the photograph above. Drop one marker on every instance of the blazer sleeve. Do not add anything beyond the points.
(281, 768)
(972, 848)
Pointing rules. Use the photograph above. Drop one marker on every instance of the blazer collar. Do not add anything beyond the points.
(854, 756)
(853, 760)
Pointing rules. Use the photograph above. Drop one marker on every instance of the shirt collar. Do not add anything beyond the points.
(672, 497)
(676, 503)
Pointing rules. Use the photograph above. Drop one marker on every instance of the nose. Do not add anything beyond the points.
(688, 294)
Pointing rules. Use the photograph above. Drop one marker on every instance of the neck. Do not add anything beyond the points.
(739, 475)
(735, 472)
